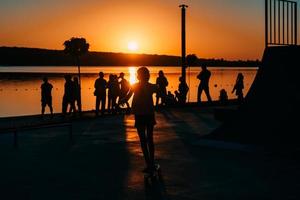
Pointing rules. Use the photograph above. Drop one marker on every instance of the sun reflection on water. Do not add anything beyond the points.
(132, 75)
(21, 95)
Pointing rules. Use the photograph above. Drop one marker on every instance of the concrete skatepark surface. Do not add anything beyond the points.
(105, 162)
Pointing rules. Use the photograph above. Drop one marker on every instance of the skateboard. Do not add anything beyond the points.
(153, 175)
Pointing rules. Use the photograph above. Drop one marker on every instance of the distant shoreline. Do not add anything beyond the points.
(19, 56)
(8, 75)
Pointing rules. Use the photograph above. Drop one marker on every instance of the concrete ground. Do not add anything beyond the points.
(105, 162)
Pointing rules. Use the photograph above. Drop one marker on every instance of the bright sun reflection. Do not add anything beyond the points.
(133, 46)
(132, 75)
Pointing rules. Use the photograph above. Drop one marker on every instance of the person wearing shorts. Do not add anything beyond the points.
(46, 97)
(143, 110)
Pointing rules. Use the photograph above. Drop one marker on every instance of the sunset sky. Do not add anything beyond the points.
(231, 29)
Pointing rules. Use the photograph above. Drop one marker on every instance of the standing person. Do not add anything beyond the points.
(100, 93)
(183, 89)
(143, 110)
(77, 99)
(238, 87)
(162, 84)
(46, 97)
(113, 92)
(68, 98)
(124, 88)
(204, 77)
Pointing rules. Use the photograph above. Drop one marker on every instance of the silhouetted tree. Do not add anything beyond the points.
(77, 47)
(191, 60)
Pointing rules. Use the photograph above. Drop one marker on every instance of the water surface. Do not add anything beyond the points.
(21, 95)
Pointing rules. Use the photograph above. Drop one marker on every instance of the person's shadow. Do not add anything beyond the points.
(155, 188)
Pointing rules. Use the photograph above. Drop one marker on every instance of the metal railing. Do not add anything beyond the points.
(16, 130)
(280, 22)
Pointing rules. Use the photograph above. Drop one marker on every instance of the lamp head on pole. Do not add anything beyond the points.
(183, 6)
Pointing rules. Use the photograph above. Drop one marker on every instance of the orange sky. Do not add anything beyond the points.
(230, 29)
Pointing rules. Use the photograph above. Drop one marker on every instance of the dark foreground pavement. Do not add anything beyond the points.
(105, 162)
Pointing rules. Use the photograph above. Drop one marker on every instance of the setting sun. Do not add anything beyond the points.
(133, 46)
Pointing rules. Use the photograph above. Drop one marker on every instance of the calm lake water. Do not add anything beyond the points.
(21, 96)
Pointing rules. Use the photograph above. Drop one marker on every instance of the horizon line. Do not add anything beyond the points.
(150, 54)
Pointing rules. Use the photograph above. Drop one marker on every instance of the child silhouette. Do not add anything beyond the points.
(143, 110)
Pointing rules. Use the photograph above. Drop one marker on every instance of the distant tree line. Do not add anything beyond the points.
(17, 56)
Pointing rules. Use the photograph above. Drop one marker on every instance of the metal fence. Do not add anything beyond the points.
(280, 22)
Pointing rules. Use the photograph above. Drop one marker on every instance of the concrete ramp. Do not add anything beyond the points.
(270, 113)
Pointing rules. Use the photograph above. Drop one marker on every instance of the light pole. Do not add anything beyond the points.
(183, 46)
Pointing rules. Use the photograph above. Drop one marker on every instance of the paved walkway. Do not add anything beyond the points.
(105, 162)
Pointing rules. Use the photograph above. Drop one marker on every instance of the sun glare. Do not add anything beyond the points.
(133, 46)
(132, 75)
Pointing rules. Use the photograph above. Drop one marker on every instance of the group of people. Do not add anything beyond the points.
(237, 89)
(204, 77)
(118, 87)
(70, 98)
(71, 95)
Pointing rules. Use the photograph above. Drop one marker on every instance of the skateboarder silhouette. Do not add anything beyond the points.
(143, 110)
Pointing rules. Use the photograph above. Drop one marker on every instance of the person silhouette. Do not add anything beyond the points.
(77, 99)
(204, 77)
(223, 98)
(46, 96)
(162, 84)
(68, 98)
(100, 93)
(170, 99)
(143, 110)
(182, 91)
(113, 92)
(124, 88)
(238, 87)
